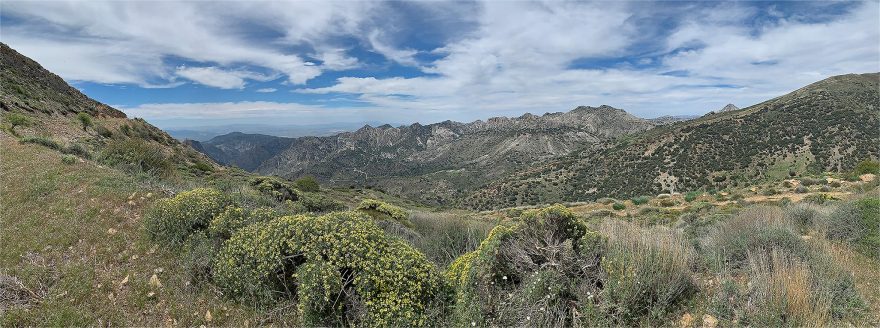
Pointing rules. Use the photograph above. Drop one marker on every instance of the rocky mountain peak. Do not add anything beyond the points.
(728, 108)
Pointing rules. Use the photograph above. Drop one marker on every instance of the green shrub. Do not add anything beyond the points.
(857, 223)
(78, 150)
(668, 202)
(639, 200)
(135, 155)
(618, 206)
(341, 268)
(318, 203)
(691, 196)
(42, 141)
(648, 272)
(85, 119)
(383, 211)
(280, 190)
(803, 215)
(307, 184)
(17, 119)
(68, 159)
(756, 229)
(103, 131)
(812, 181)
(171, 220)
(203, 166)
(800, 189)
(867, 166)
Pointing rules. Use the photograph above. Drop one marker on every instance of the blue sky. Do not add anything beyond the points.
(183, 64)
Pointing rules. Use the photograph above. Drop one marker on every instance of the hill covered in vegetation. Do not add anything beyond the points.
(827, 126)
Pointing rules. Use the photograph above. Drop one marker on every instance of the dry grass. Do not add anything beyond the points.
(649, 270)
(782, 292)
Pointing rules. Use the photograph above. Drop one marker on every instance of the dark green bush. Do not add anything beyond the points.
(618, 206)
(691, 196)
(867, 166)
(135, 155)
(171, 220)
(78, 150)
(800, 189)
(307, 184)
(317, 203)
(341, 268)
(277, 188)
(639, 200)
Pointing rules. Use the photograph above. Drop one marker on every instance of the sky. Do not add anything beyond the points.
(197, 63)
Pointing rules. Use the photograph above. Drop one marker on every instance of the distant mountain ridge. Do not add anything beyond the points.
(446, 158)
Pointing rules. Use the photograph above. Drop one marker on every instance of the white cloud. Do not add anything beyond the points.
(128, 42)
(267, 90)
(501, 58)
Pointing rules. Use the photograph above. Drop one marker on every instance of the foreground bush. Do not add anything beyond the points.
(857, 223)
(534, 271)
(172, 220)
(340, 268)
(234, 218)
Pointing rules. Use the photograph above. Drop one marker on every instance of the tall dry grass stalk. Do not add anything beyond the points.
(782, 291)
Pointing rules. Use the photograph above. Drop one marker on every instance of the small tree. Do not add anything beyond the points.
(307, 184)
(16, 119)
(85, 119)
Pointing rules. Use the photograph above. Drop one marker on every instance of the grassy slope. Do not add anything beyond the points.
(56, 238)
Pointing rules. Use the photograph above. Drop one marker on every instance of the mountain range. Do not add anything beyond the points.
(582, 154)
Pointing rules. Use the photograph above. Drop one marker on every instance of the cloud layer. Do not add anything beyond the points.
(431, 61)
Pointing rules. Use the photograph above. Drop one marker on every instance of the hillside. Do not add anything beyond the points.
(829, 125)
(50, 112)
(431, 163)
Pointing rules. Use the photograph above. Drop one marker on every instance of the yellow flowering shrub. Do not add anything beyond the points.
(380, 210)
(332, 265)
(234, 218)
(172, 220)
